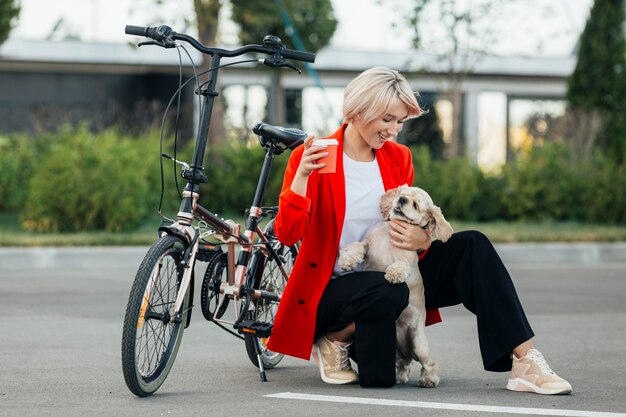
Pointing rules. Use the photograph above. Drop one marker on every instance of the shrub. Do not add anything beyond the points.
(605, 198)
(16, 161)
(92, 181)
(107, 181)
(545, 184)
(233, 175)
(541, 185)
(453, 185)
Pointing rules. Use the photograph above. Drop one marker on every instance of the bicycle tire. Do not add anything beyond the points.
(150, 340)
(214, 276)
(271, 280)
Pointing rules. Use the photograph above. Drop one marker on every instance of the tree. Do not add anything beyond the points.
(596, 89)
(9, 12)
(301, 24)
(257, 18)
(424, 130)
(207, 20)
(463, 35)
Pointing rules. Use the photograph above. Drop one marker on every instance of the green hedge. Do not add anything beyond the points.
(233, 175)
(88, 181)
(18, 154)
(78, 180)
(546, 184)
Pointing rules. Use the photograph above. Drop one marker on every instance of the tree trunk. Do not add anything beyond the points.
(207, 15)
(276, 99)
(455, 147)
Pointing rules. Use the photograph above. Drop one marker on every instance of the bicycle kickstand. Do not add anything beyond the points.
(260, 360)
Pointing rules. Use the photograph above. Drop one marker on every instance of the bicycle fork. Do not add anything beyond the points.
(185, 281)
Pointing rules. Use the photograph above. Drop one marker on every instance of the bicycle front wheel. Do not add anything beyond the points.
(269, 277)
(151, 337)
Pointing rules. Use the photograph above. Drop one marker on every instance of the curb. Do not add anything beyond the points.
(125, 257)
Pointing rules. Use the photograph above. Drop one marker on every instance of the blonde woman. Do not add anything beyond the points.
(337, 315)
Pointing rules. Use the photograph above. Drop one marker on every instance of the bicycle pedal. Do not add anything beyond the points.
(256, 328)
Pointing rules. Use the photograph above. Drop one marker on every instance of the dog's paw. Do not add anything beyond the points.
(429, 377)
(348, 259)
(396, 274)
(402, 376)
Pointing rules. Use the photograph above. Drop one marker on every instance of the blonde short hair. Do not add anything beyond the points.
(373, 92)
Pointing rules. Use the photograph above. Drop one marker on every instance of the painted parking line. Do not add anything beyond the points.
(443, 406)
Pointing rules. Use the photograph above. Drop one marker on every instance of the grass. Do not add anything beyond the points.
(499, 232)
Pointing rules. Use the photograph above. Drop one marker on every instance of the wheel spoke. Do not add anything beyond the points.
(151, 340)
(272, 280)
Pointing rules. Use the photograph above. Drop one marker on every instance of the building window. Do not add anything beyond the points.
(533, 122)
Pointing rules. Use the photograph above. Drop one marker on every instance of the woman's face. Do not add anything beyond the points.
(383, 128)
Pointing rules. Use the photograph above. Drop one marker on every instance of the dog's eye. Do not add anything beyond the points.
(415, 205)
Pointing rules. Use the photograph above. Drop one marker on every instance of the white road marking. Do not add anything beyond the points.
(443, 406)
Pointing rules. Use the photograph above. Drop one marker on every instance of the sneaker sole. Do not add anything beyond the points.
(320, 365)
(521, 385)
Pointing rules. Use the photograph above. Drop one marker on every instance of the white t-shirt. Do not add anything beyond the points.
(364, 187)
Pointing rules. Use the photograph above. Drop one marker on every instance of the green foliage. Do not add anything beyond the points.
(598, 82)
(605, 199)
(536, 183)
(314, 21)
(424, 130)
(544, 185)
(443, 181)
(81, 181)
(601, 64)
(234, 175)
(18, 154)
(9, 12)
(90, 181)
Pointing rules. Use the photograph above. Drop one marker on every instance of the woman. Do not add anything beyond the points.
(336, 315)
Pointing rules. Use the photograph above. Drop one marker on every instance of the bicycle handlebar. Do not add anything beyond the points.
(164, 36)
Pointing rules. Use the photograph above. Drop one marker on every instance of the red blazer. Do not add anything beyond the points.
(317, 220)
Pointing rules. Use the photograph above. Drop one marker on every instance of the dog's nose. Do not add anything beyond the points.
(403, 200)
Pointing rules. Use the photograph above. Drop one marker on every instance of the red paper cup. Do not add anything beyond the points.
(331, 159)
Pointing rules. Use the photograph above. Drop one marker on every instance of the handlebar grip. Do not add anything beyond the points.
(136, 30)
(298, 55)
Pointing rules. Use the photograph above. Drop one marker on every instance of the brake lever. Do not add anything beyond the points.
(274, 64)
(165, 44)
(293, 67)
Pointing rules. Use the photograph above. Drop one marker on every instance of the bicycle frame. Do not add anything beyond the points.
(228, 232)
(166, 273)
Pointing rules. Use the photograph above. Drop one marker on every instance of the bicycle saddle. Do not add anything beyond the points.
(289, 137)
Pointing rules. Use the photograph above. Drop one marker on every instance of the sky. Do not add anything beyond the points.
(531, 27)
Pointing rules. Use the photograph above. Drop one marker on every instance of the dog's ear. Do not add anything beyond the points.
(438, 226)
(386, 201)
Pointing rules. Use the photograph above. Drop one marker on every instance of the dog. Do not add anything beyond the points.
(412, 205)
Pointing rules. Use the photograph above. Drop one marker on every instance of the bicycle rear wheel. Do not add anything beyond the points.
(150, 338)
(268, 277)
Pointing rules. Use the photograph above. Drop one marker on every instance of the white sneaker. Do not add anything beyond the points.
(334, 362)
(533, 374)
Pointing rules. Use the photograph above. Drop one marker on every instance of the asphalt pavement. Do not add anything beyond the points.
(62, 309)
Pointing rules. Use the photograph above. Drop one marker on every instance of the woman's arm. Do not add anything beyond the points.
(294, 207)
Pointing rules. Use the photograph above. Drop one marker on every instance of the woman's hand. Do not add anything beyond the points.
(308, 164)
(408, 236)
(311, 154)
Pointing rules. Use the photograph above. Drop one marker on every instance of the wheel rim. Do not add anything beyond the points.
(155, 332)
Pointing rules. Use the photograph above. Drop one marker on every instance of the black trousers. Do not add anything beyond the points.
(373, 304)
(466, 269)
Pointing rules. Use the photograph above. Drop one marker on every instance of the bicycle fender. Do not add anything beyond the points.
(174, 232)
